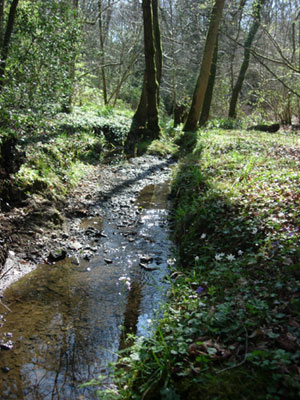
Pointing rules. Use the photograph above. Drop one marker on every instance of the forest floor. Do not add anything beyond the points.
(231, 328)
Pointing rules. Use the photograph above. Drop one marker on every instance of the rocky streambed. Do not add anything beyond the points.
(104, 275)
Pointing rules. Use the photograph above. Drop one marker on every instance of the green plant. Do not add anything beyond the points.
(229, 330)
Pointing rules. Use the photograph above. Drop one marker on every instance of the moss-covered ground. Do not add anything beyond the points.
(52, 154)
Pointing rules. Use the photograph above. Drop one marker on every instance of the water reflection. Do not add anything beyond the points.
(66, 318)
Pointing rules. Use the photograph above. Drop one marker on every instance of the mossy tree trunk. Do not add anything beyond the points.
(1, 22)
(202, 82)
(140, 116)
(210, 88)
(5, 40)
(257, 6)
(146, 114)
(158, 48)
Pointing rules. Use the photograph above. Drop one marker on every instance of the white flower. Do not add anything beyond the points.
(203, 236)
(197, 258)
(240, 252)
(122, 278)
(230, 257)
(254, 231)
(219, 256)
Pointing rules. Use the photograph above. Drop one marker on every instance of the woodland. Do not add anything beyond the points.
(214, 84)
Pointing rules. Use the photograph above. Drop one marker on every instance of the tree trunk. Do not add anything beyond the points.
(158, 49)
(140, 117)
(151, 71)
(210, 88)
(102, 51)
(66, 107)
(244, 67)
(1, 22)
(6, 40)
(200, 90)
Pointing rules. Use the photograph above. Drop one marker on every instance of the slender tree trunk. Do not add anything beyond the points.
(67, 103)
(102, 51)
(158, 49)
(2, 2)
(200, 90)
(210, 88)
(244, 67)
(6, 40)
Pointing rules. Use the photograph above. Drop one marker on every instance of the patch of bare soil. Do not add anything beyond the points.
(32, 233)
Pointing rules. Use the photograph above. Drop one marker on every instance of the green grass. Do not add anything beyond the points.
(231, 327)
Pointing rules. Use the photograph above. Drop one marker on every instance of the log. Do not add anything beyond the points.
(265, 128)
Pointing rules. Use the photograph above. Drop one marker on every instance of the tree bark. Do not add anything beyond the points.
(2, 3)
(103, 30)
(141, 116)
(6, 40)
(158, 49)
(210, 88)
(201, 86)
(247, 50)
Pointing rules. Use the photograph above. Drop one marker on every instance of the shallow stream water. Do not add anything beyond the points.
(67, 320)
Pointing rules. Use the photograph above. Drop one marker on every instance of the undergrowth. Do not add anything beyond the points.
(231, 328)
(57, 151)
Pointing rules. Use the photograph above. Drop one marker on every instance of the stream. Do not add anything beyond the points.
(65, 321)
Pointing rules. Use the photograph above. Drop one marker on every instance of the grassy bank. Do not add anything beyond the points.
(231, 329)
(51, 154)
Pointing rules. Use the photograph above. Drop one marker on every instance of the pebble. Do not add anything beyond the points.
(146, 259)
(75, 245)
(149, 267)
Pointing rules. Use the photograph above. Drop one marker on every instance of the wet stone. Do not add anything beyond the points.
(75, 261)
(87, 256)
(146, 258)
(6, 345)
(57, 256)
(75, 245)
(101, 234)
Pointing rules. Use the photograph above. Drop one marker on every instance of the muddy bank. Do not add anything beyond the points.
(69, 317)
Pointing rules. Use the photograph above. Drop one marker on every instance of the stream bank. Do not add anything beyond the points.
(67, 316)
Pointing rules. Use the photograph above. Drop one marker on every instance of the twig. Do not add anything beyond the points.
(4, 273)
(5, 306)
